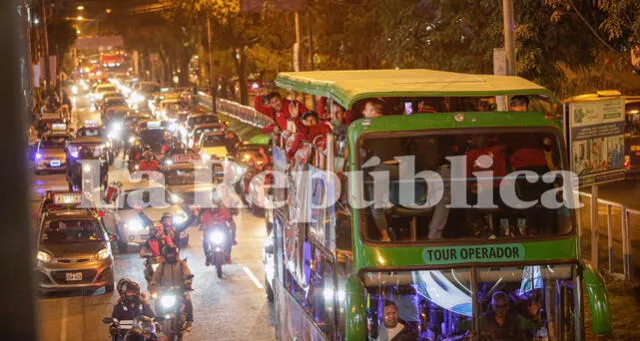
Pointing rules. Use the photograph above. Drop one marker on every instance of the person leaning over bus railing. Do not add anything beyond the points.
(308, 127)
(278, 109)
(393, 328)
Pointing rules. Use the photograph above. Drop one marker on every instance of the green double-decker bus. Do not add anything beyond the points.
(438, 217)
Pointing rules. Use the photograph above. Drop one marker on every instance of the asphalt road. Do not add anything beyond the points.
(231, 308)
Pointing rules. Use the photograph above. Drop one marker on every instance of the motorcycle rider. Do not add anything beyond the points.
(169, 230)
(132, 304)
(174, 272)
(149, 162)
(144, 329)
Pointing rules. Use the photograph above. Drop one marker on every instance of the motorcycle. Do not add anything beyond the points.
(119, 329)
(170, 305)
(217, 246)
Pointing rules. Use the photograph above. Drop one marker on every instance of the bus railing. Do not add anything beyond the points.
(608, 242)
(242, 113)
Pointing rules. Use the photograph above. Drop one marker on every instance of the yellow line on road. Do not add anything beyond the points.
(63, 321)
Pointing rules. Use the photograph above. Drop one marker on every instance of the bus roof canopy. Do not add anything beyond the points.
(347, 87)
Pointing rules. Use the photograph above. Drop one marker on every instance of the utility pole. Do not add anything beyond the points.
(509, 41)
(45, 35)
(212, 77)
(296, 46)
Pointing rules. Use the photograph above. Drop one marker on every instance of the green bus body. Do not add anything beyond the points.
(348, 87)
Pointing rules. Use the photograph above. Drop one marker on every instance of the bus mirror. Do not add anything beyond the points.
(598, 301)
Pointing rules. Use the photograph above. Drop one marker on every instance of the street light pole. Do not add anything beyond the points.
(509, 41)
(45, 35)
(212, 77)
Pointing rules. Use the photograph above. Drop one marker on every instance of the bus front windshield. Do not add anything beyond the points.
(467, 184)
(515, 304)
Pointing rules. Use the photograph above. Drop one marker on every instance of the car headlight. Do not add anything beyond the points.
(246, 157)
(168, 301)
(133, 226)
(103, 254)
(85, 87)
(44, 257)
(169, 162)
(114, 134)
(74, 90)
(176, 199)
(216, 237)
(132, 139)
(108, 144)
(116, 126)
(86, 168)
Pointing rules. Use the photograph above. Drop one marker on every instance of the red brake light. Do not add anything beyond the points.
(101, 213)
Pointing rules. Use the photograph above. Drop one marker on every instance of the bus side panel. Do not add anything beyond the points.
(292, 322)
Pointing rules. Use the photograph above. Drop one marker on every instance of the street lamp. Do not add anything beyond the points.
(80, 8)
(108, 10)
(36, 21)
(79, 18)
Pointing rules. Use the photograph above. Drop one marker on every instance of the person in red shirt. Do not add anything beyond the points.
(278, 109)
(308, 128)
(149, 163)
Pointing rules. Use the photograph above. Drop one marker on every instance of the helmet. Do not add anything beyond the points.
(121, 286)
(165, 216)
(134, 287)
(144, 324)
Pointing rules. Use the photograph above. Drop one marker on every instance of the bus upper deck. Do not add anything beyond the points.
(445, 262)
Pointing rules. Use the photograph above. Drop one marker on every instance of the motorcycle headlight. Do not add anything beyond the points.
(133, 226)
(168, 301)
(85, 87)
(86, 168)
(169, 162)
(44, 257)
(38, 156)
(74, 90)
(116, 126)
(216, 237)
(132, 139)
(114, 134)
(103, 254)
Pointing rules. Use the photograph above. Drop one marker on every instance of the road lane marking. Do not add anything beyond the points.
(253, 277)
(63, 322)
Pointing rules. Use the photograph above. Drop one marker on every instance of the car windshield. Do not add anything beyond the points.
(114, 102)
(478, 196)
(83, 132)
(203, 119)
(142, 197)
(531, 300)
(70, 231)
(213, 141)
(107, 88)
(53, 141)
(152, 136)
(147, 88)
(178, 177)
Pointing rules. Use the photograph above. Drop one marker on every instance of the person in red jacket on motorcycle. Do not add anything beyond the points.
(149, 162)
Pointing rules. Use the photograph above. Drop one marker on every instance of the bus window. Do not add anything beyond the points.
(514, 304)
(419, 305)
(406, 207)
(530, 303)
(323, 293)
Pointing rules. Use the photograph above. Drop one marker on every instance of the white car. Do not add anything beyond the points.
(167, 109)
(212, 145)
(126, 221)
(100, 90)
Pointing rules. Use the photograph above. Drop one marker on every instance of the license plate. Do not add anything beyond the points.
(73, 276)
(55, 163)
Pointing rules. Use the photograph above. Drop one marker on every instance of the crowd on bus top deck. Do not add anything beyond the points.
(309, 124)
